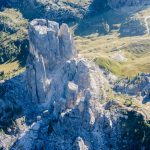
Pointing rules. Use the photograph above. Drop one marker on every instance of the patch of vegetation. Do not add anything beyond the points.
(9, 108)
(13, 39)
(128, 102)
(139, 49)
(135, 131)
(110, 65)
(129, 69)
(11, 69)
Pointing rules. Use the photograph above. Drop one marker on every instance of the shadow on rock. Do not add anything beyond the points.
(15, 105)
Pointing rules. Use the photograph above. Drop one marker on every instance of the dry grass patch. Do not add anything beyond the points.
(11, 69)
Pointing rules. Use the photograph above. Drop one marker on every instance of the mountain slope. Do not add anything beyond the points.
(67, 102)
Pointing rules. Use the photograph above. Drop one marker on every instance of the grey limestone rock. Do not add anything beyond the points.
(133, 27)
(71, 94)
(138, 86)
(49, 46)
(70, 87)
(80, 144)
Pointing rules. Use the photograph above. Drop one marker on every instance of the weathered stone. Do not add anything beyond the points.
(139, 86)
(45, 113)
(66, 43)
(58, 46)
(39, 118)
(82, 75)
(133, 27)
(71, 94)
(80, 145)
(70, 86)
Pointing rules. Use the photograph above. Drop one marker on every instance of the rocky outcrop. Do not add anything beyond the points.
(134, 27)
(139, 86)
(71, 88)
(46, 59)
(80, 145)
(116, 4)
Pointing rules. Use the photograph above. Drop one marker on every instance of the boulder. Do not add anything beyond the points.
(80, 144)
(71, 94)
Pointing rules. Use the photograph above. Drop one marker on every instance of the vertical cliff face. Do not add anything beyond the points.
(50, 41)
(50, 45)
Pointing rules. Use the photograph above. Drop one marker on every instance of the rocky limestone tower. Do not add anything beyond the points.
(50, 45)
(71, 88)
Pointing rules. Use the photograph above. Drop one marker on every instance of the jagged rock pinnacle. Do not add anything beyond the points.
(69, 87)
(50, 45)
(50, 41)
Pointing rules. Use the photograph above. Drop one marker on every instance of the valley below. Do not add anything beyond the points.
(74, 75)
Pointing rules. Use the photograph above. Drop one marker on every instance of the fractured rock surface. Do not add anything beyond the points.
(46, 59)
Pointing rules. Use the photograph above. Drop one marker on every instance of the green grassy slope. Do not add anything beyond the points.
(13, 42)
